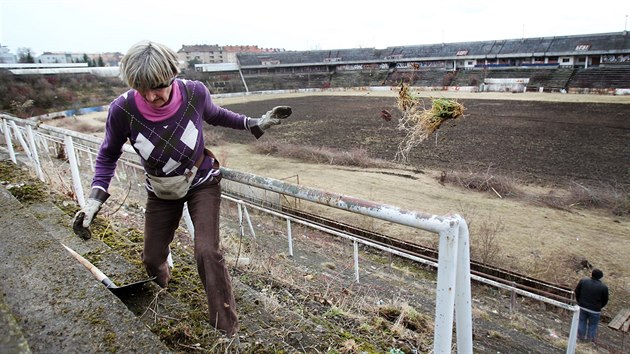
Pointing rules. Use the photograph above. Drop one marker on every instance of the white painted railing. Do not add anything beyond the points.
(453, 292)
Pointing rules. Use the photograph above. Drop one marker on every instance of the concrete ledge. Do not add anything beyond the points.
(56, 303)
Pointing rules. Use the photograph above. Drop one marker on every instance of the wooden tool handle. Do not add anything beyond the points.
(100, 276)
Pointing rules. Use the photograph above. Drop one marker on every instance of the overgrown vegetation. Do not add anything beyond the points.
(29, 95)
(277, 313)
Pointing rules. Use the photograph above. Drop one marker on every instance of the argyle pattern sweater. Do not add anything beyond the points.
(166, 148)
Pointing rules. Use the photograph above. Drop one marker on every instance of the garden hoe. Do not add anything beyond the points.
(121, 292)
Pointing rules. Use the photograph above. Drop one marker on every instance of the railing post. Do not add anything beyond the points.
(356, 261)
(7, 138)
(241, 229)
(445, 292)
(290, 238)
(573, 331)
(74, 168)
(31, 141)
(249, 222)
(463, 297)
(18, 135)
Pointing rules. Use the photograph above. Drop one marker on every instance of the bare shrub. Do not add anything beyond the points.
(320, 155)
(22, 109)
(605, 196)
(481, 182)
(485, 245)
(55, 92)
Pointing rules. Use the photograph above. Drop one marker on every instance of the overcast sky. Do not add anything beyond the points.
(93, 26)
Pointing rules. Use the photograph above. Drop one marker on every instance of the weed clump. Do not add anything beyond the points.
(419, 122)
(25, 190)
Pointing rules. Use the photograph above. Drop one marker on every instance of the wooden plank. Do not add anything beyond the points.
(621, 320)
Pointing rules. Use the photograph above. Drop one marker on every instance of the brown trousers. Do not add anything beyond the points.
(162, 217)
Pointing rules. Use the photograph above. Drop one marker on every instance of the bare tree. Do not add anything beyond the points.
(25, 55)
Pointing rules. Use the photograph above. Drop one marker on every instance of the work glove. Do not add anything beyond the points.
(258, 125)
(85, 216)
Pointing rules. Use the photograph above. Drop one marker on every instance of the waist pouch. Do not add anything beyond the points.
(176, 187)
(172, 188)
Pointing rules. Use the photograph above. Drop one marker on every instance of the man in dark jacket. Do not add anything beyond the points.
(591, 295)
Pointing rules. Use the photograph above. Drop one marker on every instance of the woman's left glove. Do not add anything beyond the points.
(274, 117)
(85, 216)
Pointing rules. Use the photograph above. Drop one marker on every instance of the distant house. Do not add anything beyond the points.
(59, 58)
(215, 54)
(232, 51)
(109, 59)
(201, 54)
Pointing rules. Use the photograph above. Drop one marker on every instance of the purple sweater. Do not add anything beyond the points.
(166, 148)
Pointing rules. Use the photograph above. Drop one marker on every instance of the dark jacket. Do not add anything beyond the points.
(591, 294)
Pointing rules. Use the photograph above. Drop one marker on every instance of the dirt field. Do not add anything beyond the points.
(545, 147)
(536, 142)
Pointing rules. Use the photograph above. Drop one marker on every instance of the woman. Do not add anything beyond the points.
(162, 117)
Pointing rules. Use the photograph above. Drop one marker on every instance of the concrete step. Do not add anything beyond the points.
(50, 302)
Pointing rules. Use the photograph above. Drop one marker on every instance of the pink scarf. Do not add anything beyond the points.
(162, 113)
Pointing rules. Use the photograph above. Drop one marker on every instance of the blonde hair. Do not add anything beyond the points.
(148, 64)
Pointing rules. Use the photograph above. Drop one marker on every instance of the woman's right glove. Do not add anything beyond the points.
(258, 125)
(83, 218)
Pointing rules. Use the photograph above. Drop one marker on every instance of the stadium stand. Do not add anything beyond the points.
(548, 63)
(224, 82)
(601, 78)
(550, 80)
